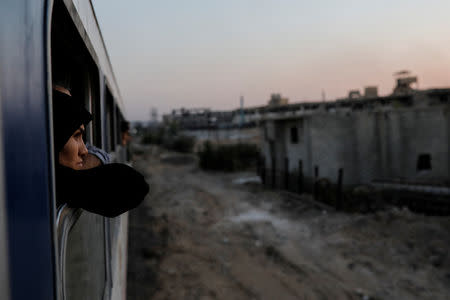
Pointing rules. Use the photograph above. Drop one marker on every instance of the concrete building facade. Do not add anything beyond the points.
(404, 137)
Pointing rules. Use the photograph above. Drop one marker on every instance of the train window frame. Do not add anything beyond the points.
(110, 120)
(119, 120)
(66, 219)
(96, 110)
(92, 100)
(4, 274)
(69, 50)
(88, 134)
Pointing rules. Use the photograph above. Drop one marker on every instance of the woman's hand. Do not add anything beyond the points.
(91, 161)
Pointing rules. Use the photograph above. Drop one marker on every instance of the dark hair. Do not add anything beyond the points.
(124, 126)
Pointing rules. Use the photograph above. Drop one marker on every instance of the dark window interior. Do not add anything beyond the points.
(294, 135)
(110, 122)
(119, 120)
(424, 162)
(96, 114)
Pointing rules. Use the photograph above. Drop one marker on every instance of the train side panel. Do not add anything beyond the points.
(4, 270)
(27, 144)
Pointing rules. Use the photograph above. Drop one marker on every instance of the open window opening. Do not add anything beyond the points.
(110, 122)
(294, 135)
(81, 248)
(73, 70)
(424, 162)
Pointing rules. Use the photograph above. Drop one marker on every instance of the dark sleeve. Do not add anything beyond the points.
(108, 190)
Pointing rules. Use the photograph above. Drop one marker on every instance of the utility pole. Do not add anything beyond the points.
(242, 111)
(154, 115)
(241, 119)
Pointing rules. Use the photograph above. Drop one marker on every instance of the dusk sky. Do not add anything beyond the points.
(206, 53)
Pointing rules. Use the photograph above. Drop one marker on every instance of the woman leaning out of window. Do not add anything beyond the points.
(106, 189)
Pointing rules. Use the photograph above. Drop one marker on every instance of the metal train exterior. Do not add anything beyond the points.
(49, 252)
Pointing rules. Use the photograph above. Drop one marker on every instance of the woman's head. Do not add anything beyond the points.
(70, 119)
(74, 151)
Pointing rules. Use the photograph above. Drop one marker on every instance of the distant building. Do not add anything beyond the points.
(370, 92)
(354, 94)
(398, 137)
(277, 100)
(200, 118)
(404, 82)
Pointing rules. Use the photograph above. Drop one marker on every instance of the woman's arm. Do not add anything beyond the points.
(96, 157)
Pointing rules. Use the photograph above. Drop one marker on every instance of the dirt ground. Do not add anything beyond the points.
(202, 235)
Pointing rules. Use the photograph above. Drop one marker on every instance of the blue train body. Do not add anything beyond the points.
(31, 256)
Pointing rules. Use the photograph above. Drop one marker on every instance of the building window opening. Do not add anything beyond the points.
(424, 162)
(294, 135)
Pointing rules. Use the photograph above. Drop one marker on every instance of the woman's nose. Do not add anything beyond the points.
(83, 150)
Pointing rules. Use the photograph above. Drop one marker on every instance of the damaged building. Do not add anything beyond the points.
(400, 140)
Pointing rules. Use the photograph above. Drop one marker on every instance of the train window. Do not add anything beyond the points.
(119, 120)
(110, 122)
(122, 154)
(82, 244)
(72, 67)
(96, 123)
(92, 96)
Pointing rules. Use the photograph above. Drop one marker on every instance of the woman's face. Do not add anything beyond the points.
(74, 151)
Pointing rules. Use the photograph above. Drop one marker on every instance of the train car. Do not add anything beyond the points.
(49, 251)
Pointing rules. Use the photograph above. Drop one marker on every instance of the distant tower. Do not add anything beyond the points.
(323, 95)
(154, 115)
(404, 82)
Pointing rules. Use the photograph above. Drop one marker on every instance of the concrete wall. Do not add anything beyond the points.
(232, 135)
(413, 133)
(280, 148)
(298, 151)
(333, 145)
(368, 150)
(366, 144)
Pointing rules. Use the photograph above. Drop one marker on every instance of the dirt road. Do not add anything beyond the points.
(203, 235)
